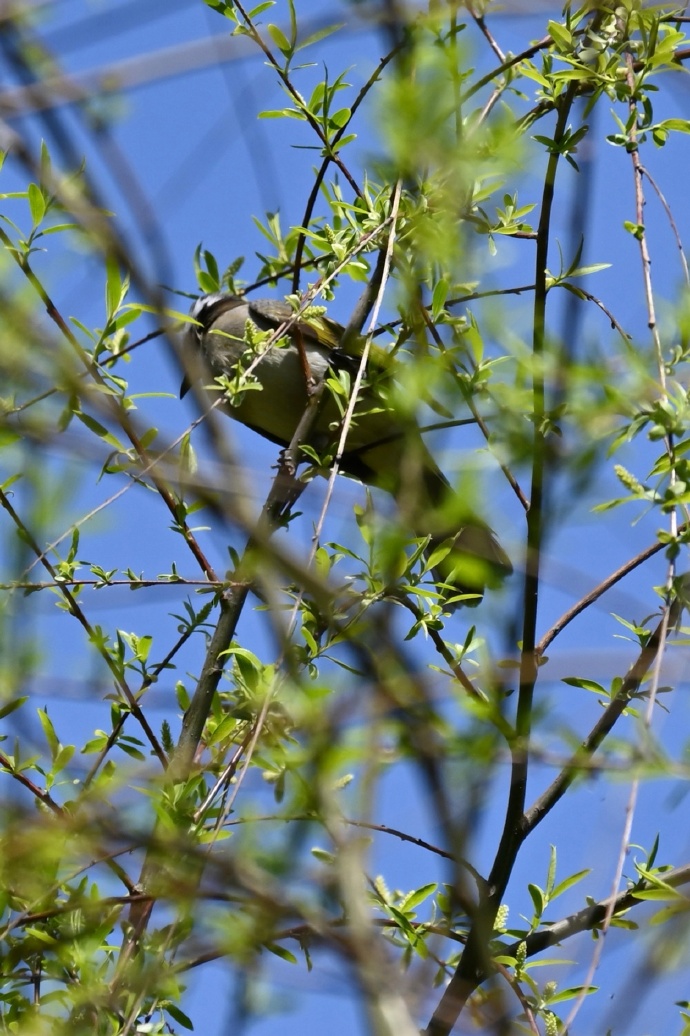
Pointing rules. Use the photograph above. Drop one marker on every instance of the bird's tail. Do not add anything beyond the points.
(469, 557)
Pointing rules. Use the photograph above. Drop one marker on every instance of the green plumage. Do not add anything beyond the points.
(381, 450)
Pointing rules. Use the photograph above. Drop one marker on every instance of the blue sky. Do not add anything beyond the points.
(206, 166)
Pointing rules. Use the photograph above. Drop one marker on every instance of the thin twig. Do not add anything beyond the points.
(592, 916)
(596, 593)
(506, 65)
(321, 172)
(479, 420)
(612, 713)
(474, 962)
(672, 223)
(604, 309)
(74, 609)
(625, 835)
(43, 796)
(117, 411)
(299, 100)
(663, 627)
(484, 29)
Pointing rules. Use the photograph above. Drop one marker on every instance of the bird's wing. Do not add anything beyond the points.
(317, 328)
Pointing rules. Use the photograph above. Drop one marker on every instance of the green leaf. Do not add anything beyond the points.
(41, 935)
(636, 229)
(226, 727)
(340, 143)
(46, 163)
(586, 685)
(293, 23)
(567, 883)
(132, 752)
(113, 286)
(561, 36)
(679, 125)
(669, 913)
(12, 706)
(212, 266)
(188, 458)
(58, 228)
(321, 34)
(206, 282)
(37, 203)
(537, 898)
(182, 696)
(98, 429)
(281, 952)
(323, 856)
(49, 731)
(283, 113)
(439, 296)
(171, 314)
(340, 118)
(63, 757)
(96, 744)
(418, 896)
(583, 271)
(11, 480)
(143, 648)
(661, 894)
(571, 993)
(180, 1017)
(151, 433)
(280, 39)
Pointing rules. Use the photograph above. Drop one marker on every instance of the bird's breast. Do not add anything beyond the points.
(276, 408)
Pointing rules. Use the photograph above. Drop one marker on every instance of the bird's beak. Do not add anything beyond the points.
(185, 386)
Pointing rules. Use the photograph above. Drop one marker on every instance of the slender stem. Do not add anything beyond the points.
(611, 714)
(592, 916)
(512, 835)
(477, 417)
(474, 965)
(321, 172)
(596, 593)
(287, 82)
(115, 410)
(75, 609)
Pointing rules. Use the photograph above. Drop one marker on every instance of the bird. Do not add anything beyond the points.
(383, 448)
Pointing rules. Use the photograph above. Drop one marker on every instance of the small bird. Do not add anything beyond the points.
(383, 449)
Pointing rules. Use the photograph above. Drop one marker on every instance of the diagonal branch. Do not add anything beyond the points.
(591, 916)
(74, 608)
(612, 713)
(474, 963)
